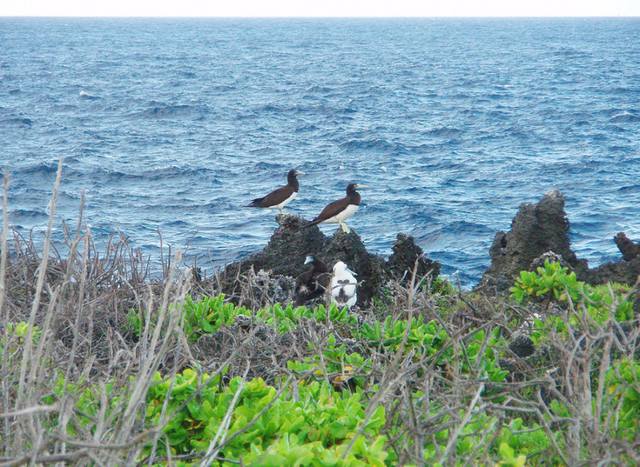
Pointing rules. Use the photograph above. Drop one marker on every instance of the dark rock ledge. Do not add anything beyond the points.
(541, 231)
(291, 242)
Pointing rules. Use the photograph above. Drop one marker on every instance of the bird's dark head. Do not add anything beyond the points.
(292, 178)
(352, 187)
(293, 174)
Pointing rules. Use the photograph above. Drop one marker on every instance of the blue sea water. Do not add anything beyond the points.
(173, 125)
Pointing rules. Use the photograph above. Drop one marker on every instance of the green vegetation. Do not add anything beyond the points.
(581, 305)
(312, 426)
(431, 383)
(209, 314)
(554, 282)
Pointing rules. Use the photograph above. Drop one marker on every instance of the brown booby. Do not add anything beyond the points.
(339, 211)
(279, 198)
(313, 282)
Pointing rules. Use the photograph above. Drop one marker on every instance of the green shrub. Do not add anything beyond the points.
(509, 458)
(135, 322)
(340, 366)
(530, 441)
(623, 389)
(285, 319)
(442, 286)
(551, 281)
(16, 335)
(429, 339)
(209, 314)
(86, 401)
(20, 330)
(314, 423)
(426, 338)
(555, 283)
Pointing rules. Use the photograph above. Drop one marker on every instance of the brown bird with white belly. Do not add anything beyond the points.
(341, 210)
(279, 198)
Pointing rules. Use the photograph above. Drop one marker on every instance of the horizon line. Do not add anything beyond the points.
(323, 17)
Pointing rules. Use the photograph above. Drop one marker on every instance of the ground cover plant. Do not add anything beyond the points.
(101, 364)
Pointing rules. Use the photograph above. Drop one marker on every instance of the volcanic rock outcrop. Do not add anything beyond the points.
(293, 240)
(402, 262)
(626, 271)
(536, 229)
(541, 231)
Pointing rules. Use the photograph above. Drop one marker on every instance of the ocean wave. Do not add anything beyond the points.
(322, 109)
(220, 204)
(222, 87)
(620, 149)
(157, 174)
(27, 214)
(626, 90)
(170, 172)
(271, 108)
(570, 52)
(625, 117)
(445, 233)
(163, 110)
(88, 96)
(17, 121)
(305, 128)
(40, 168)
(268, 166)
(629, 189)
(320, 89)
(109, 175)
(616, 128)
(443, 132)
(375, 144)
(261, 150)
(444, 164)
(175, 223)
(585, 227)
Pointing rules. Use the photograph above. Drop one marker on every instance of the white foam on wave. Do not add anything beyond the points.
(624, 113)
(86, 95)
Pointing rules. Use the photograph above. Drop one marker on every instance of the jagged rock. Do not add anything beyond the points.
(536, 229)
(293, 240)
(285, 253)
(541, 231)
(629, 249)
(290, 244)
(626, 271)
(403, 259)
(275, 288)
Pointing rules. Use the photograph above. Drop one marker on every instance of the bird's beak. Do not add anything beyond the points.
(351, 272)
(307, 260)
(299, 172)
(358, 186)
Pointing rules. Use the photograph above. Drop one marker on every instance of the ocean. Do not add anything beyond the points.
(172, 125)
